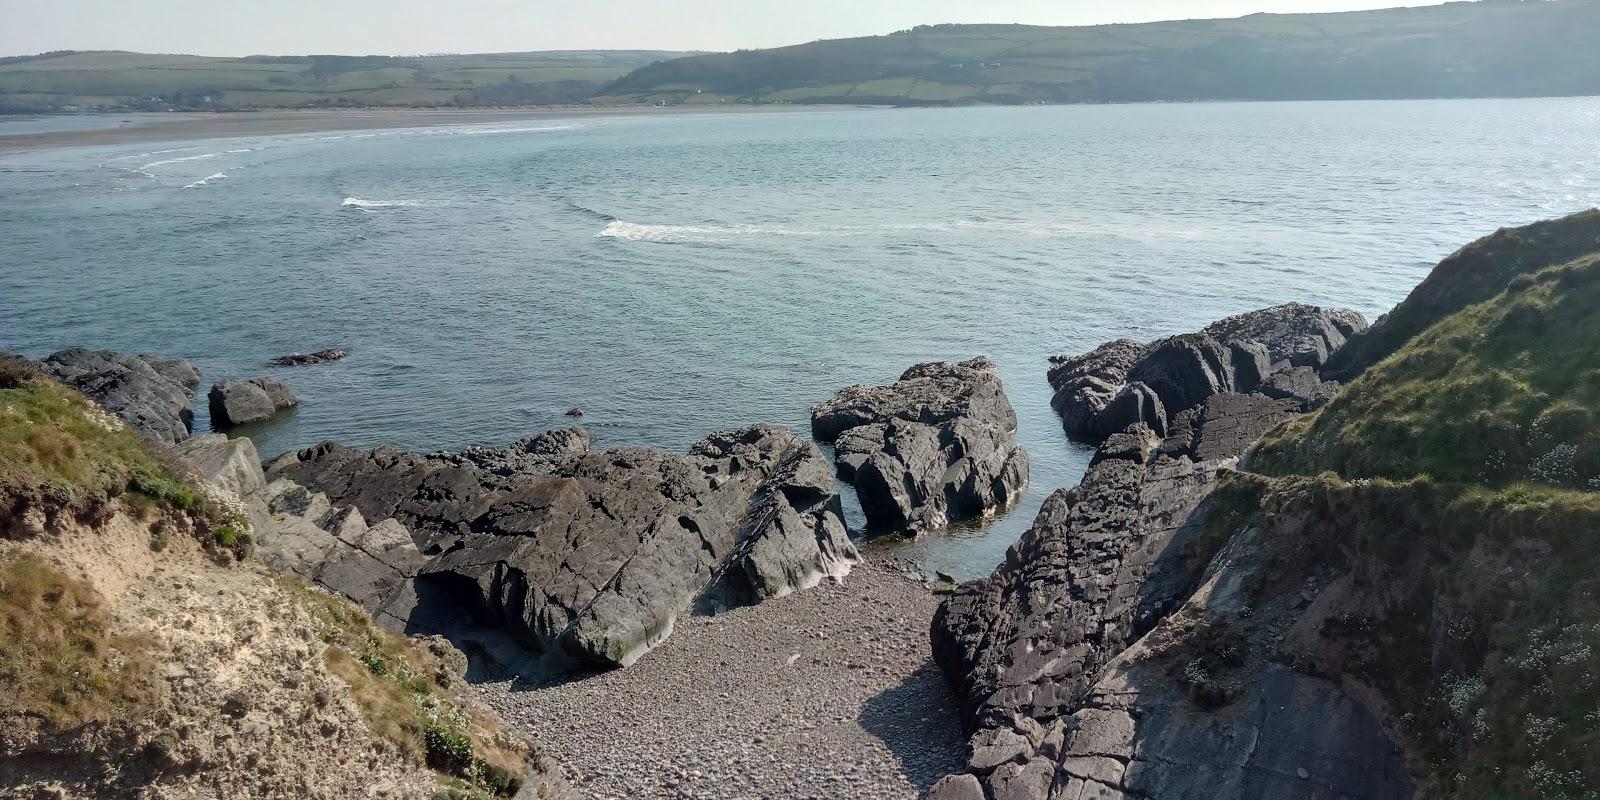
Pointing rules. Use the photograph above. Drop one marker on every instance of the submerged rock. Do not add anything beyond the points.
(152, 395)
(236, 403)
(595, 554)
(935, 447)
(307, 359)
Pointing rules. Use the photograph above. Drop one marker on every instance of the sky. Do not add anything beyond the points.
(414, 27)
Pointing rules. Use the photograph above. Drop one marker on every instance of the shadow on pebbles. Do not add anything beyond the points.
(828, 693)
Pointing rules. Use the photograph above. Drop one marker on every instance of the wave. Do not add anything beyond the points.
(206, 181)
(482, 131)
(687, 234)
(603, 217)
(200, 157)
(373, 205)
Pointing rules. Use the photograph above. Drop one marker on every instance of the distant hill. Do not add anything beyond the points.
(1481, 49)
(137, 81)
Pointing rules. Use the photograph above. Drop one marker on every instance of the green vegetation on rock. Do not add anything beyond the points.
(1458, 483)
(402, 687)
(1503, 392)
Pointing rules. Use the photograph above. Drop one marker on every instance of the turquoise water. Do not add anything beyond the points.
(676, 275)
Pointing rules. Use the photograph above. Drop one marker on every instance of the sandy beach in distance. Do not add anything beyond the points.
(155, 127)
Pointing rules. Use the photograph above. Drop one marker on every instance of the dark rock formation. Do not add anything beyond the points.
(935, 447)
(307, 359)
(595, 554)
(1279, 351)
(1084, 385)
(242, 402)
(1471, 275)
(1070, 660)
(152, 395)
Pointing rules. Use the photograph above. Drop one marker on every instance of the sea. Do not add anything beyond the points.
(674, 275)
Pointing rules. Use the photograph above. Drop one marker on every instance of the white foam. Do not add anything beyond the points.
(200, 157)
(372, 205)
(481, 131)
(207, 180)
(636, 232)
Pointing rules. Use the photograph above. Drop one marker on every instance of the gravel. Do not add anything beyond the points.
(828, 693)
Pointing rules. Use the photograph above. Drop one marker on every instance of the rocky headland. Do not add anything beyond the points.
(1309, 559)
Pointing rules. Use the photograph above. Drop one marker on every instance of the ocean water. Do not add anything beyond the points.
(678, 275)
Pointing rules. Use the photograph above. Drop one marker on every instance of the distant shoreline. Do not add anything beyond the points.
(183, 125)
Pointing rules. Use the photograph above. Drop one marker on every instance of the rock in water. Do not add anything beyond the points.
(937, 446)
(242, 402)
(1064, 658)
(307, 359)
(152, 395)
(595, 554)
(1280, 351)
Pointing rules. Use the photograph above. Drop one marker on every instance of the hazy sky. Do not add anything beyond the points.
(409, 27)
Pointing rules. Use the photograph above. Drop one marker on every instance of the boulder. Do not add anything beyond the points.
(937, 446)
(307, 359)
(1084, 385)
(1279, 351)
(236, 403)
(594, 555)
(151, 395)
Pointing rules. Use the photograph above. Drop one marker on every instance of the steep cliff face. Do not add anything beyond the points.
(1395, 598)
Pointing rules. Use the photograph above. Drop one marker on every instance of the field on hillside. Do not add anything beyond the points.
(137, 81)
(1491, 48)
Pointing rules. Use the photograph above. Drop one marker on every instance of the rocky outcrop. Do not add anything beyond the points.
(152, 395)
(1279, 351)
(308, 359)
(1473, 274)
(1084, 385)
(236, 403)
(935, 447)
(595, 554)
(1070, 659)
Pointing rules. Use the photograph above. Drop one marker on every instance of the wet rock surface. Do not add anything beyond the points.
(235, 403)
(937, 446)
(308, 359)
(152, 395)
(596, 555)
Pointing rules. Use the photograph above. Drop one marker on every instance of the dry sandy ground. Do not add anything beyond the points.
(201, 125)
(828, 693)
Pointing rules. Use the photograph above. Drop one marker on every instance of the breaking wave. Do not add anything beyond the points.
(374, 205)
(207, 180)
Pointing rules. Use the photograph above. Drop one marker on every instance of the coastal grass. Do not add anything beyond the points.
(1460, 478)
(404, 691)
(59, 661)
(53, 436)
(1501, 393)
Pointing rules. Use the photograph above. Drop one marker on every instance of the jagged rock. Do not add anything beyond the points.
(306, 359)
(1184, 370)
(1294, 334)
(242, 402)
(232, 465)
(595, 554)
(1084, 385)
(1103, 564)
(1302, 385)
(793, 538)
(937, 446)
(1136, 404)
(1239, 355)
(152, 395)
(957, 787)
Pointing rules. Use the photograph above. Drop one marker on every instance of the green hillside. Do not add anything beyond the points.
(118, 80)
(1490, 48)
